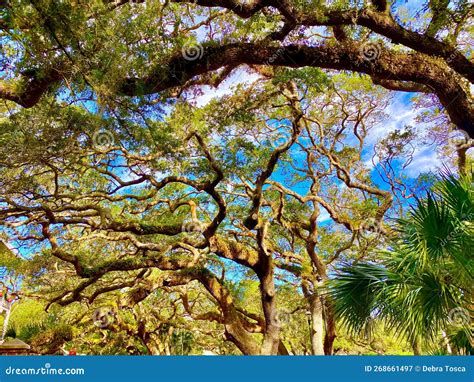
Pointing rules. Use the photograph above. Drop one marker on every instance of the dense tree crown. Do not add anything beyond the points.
(187, 176)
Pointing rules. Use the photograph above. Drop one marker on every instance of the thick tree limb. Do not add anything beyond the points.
(395, 69)
(28, 90)
(376, 20)
(401, 86)
(389, 65)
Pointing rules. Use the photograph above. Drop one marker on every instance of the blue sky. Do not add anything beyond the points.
(400, 114)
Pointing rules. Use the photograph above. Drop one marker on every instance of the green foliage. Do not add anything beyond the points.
(426, 276)
(311, 77)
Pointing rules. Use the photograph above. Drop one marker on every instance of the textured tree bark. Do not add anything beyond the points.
(432, 65)
(330, 322)
(462, 164)
(233, 324)
(271, 338)
(414, 68)
(236, 334)
(317, 325)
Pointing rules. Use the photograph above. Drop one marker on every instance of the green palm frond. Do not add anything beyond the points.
(439, 230)
(428, 229)
(424, 276)
(462, 341)
(355, 293)
(458, 194)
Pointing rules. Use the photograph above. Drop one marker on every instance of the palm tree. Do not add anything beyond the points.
(423, 286)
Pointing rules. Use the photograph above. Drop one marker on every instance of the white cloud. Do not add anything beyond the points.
(424, 160)
(401, 114)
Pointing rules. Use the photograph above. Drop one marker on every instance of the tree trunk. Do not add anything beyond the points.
(462, 166)
(330, 328)
(271, 339)
(317, 325)
(236, 333)
(264, 271)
